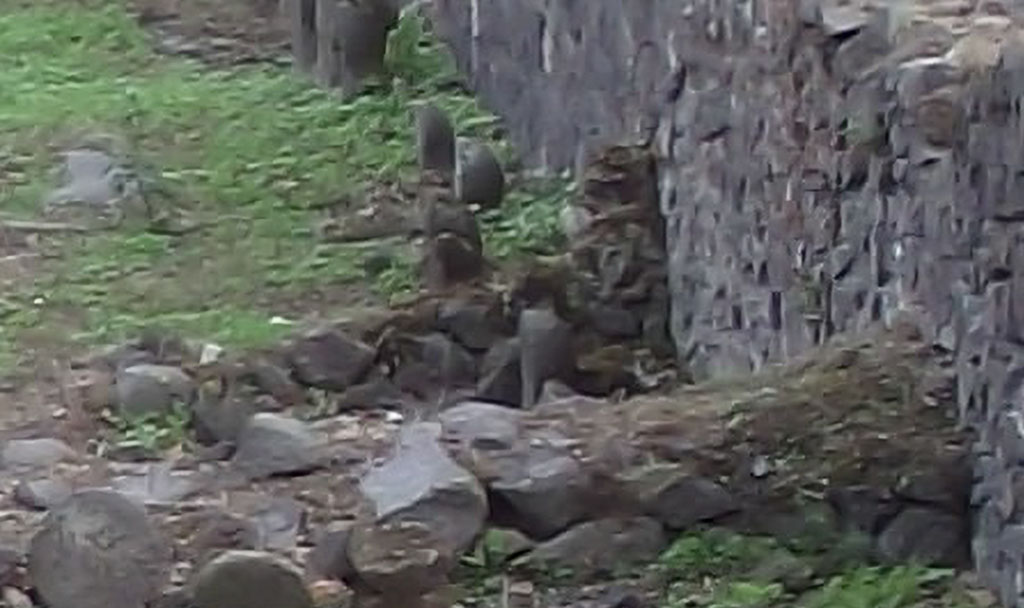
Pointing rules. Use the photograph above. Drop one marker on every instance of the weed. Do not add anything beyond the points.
(875, 587)
(715, 553)
(152, 432)
(529, 223)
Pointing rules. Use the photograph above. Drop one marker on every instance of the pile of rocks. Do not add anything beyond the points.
(287, 511)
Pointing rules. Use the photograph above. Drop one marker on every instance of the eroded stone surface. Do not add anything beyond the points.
(241, 579)
(426, 510)
(99, 550)
(270, 445)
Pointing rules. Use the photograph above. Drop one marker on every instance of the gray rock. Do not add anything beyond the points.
(449, 258)
(274, 380)
(601, 546)
(927, 536)
(479, 179)
(42, 493)
(218, 531)
(455, 365)
(329, 360)
(681, 501)
(538, 486)
(947, 488)
(15, 598)
(11, 561)
(217, 418)
(842, 20)
(500, 378)
(503, 544)
(554, 391)
(329, 558)
(545, 343)
(174, 598)
(147, 389)
(243, 579)
(36, 453)
(275, 445)
(614, 321)
(118, 357)
(92, 180)
(862, 508)
(379, 393)
(474, 326)
(427, 510)
(98, 550)
(159, 484)
(278, 523)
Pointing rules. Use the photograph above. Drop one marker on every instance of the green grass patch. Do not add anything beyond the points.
(252, 154)
(152, 433)
(721, 569)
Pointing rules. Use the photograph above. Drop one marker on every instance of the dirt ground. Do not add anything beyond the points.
(225, 31)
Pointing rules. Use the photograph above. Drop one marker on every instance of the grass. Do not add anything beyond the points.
(252, 154)
(153, 432)
(718, 568)
(721, 569)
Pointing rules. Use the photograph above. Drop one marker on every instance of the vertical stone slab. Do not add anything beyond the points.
(301, 18)
(351, 42)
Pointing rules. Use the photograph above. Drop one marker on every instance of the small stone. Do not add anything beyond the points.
(502, 544)
(159, 484)
(14, 598)
(98, 550)
(545, 343)
(329, 558)
(474, 326)
(555, 391)
(601, 546)
(42, 494)
(275, 381)
(37, 453)
(842, 20)
(427, 512)
(541, 488)
(449, 259)
(221, 419)
(454, 365)
(144, 390)
(330, 360)
(93, 389)
(500, 379)
(330, 594)
(275, 445)
(615, 322)
(680, 501)
(279, 522)
(11, 561)
(862, 508)
(217, 531)
(927, 536)
(380, 393)
(243, 579)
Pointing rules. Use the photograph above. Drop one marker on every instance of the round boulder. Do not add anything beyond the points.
(99, 550)
(243, 579)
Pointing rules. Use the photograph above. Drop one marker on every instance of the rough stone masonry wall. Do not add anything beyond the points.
(822, 167)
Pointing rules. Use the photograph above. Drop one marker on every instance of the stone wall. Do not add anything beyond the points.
(822, 168)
